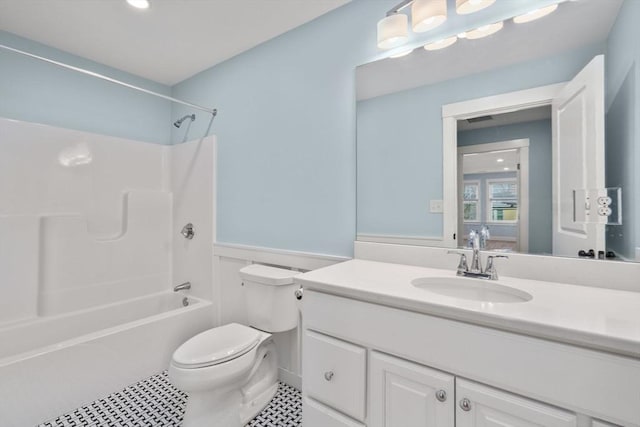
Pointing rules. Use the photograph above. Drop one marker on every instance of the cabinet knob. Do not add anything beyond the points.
(465, 404)
(441, 395)
(328, 375)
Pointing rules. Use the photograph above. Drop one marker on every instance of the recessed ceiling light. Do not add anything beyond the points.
(499, 160)
(139, 4)
(441, 44)
(484, 31)
(506, 169)
(401, 53)
(535, 14)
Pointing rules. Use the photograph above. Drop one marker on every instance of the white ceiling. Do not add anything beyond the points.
(488, 162)
(169, 42)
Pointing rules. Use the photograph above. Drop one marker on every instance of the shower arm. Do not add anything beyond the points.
(211, 111)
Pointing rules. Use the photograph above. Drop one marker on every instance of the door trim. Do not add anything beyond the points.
(490, 105)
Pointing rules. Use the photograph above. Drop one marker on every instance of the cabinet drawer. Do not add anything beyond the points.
(334, 373)
(480, 405)
(315, 414)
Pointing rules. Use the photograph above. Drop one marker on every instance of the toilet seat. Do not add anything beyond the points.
(216, 346)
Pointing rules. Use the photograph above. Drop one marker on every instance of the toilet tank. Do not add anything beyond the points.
(269, 293)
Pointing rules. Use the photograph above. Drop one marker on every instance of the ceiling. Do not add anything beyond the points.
(491, 162)
(167, 43)
(520, 116)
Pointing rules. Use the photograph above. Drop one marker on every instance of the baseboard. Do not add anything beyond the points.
(290, 378)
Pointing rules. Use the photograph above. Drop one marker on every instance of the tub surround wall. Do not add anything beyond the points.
(89, 236)
(192, 183)
(85, 220)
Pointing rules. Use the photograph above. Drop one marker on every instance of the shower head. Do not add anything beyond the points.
(178, 122)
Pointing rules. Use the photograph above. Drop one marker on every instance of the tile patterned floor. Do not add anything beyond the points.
(154, 402)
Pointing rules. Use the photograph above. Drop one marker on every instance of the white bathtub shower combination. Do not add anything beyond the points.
(88, 250)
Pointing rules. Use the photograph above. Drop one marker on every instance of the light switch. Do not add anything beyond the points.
(435, 206)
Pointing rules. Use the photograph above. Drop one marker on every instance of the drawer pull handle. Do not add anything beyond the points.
(465, 404)
(441, 395)
(328, 375)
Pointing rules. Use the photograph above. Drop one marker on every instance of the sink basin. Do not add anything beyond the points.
(472, 289)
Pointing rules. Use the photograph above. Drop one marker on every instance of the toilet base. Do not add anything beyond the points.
(250, 409)
(234, 405)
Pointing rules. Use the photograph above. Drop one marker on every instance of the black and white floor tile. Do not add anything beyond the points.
(155, 402)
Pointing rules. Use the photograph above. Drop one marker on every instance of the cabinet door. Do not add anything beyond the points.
(335, 373)
(406, 394)
(483, 406)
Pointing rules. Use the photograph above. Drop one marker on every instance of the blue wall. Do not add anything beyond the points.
(35, 91)
(286, 128)
(540, 176)
(622, 121)
(400, 136)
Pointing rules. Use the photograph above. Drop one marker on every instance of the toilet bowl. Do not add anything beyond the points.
(231, 372)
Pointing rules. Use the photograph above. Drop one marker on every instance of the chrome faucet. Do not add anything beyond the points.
(182, 287)
(475, 270)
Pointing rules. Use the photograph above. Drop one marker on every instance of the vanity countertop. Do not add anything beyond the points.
(597, 318)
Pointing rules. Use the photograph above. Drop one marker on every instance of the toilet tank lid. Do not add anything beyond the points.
(268, 275)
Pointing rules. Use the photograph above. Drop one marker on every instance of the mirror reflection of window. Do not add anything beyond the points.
(471, 201)
(503, 200)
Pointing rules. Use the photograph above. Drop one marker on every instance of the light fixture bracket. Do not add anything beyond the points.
(397, 8)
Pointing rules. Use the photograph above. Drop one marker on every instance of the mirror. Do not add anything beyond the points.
(526, 137)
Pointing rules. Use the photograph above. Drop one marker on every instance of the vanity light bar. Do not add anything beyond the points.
(480, 32)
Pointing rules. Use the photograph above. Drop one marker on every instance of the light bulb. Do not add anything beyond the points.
(139, 4)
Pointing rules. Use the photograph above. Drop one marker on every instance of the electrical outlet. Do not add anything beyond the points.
(435, 206)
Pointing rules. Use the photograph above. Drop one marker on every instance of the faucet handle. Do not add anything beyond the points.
(463, 267)
(491, 268)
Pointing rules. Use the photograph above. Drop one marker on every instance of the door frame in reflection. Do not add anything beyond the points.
(491, 105)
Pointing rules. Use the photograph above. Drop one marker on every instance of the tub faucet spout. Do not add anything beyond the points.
(182, 287)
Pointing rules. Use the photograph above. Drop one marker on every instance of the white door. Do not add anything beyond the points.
(578, 162)
(405, 394)
(482, 406)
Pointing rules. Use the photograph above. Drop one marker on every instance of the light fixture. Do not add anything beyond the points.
(401, 53)
(139, 4)
(499, 160)
(535, 14)
(441, 44)
(484, 31)
(393, 31)
(464, 7)
(427, 14)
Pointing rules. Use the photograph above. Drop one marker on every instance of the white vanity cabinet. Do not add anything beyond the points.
(482, 406)
(366, 364)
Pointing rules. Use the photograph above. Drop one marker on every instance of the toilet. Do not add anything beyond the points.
(231, 372)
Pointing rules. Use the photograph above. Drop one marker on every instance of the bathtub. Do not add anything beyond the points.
(51, 365)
